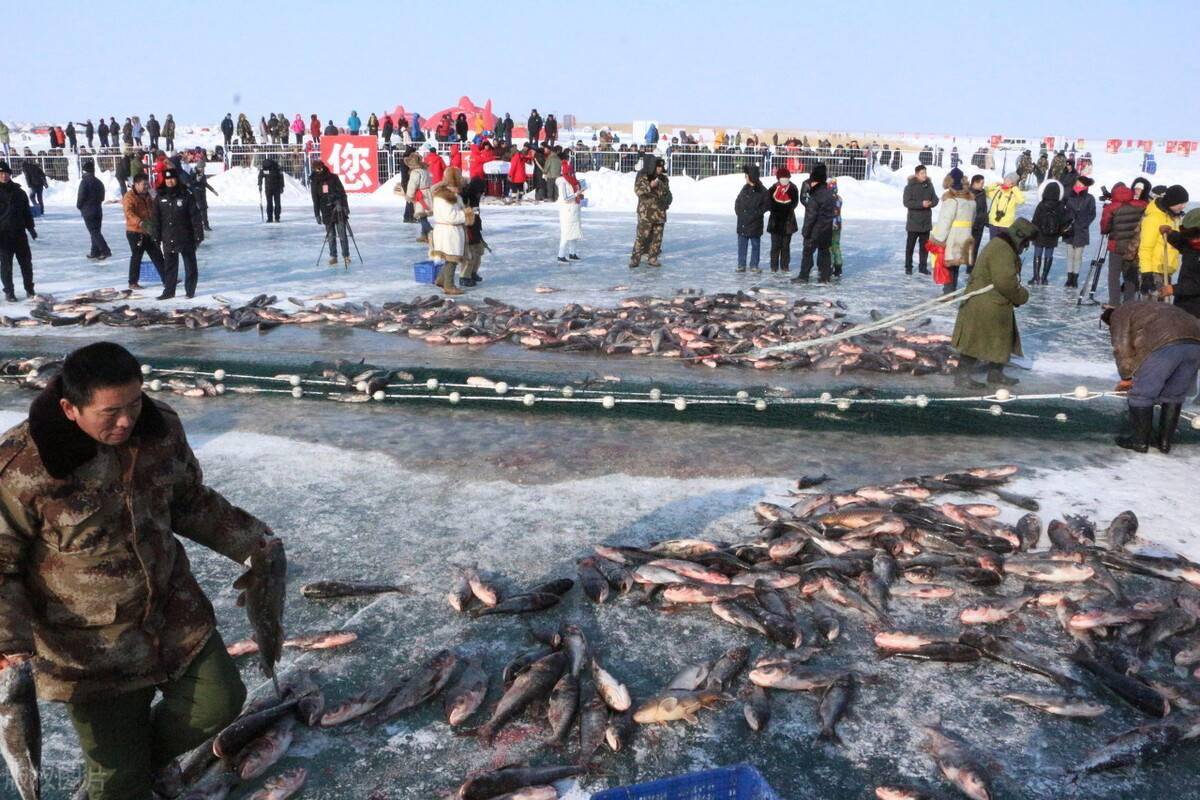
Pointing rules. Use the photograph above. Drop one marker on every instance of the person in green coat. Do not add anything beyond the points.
(986, 330)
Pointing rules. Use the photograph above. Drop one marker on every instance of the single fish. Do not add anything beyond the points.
(691, 677)
(20, 728)
(595, 585)
(521, 604)
(460, 594)
(1130, 689)
(265, 751)
(957, 763)
(530, 686)
(466, 695)
(496, 783)
(1029, 531)
(614, 693)
(1143, 743)
(989, 613)
(576, 645)
(952, 652)
(675, 706)
(1058, 704)
(593, 721)
(1121, 531)
(483, 589)
(248, 727)
(422, 686)
(756, 707)
(282, 786)
(358, 706)
(263, 588)
(563, 708)
(325, 640)
(330, 590)
(619, 731)
(792, 677)
(834, 703)
(726, 669)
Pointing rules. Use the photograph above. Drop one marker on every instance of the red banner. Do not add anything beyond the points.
(1049, 142)
(354, 159)
(996, 139)
(1146, 145)
(1113, 146)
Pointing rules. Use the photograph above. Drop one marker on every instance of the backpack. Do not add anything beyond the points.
(1047, 221)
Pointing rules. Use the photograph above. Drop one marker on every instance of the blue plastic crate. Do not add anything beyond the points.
(425, 272)
(740, 782)
(148, 274)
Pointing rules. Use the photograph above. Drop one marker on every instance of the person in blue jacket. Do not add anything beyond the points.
(652, 135)
(353, 123)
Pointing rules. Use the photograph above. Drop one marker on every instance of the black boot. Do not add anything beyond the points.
(1037, 271)
(996, 376)
(1142, 420)
(1168, 421)
(962, 375)
(1046, 275)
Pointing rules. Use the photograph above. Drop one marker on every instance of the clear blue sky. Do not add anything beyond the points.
(1096, 69)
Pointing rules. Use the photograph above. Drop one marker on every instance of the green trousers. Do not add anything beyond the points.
(127, 738)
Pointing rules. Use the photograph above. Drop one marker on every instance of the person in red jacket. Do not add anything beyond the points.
(517, 174)
(480, 155)
(160, 166)
(1120, 221)
(456, 156)
(314, 128)
(435, 164)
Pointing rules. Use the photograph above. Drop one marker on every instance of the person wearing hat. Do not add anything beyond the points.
(176, 225)
(1081, 211)
(1157, 350)
(1186, 240)
(448, 243)
(952, 233)
(820, 207)
(985, 333)
(782, 199)
(1051, 218)
(416, 192)
(15, 220)
(270, 176)
(200, 189)
(1158, 260)
(1006, 199)
(331, 210)
(653, 189)
(748, 208)
(89, 201)
(919, 198)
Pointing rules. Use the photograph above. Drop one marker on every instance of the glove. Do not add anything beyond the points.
(1166, 291)
(1123, 386)
(1165, 229)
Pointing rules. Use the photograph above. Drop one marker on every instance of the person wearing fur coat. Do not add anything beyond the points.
(953, 228)
(449, 239)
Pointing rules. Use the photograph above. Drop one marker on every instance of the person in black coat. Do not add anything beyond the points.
(1187, 283)
(89, 201)
(820, 208)
(460, 127)
(404, 171)
(919, 198)
(534, 125)
(89, 133)
(154, 129)
(72, 139)
(270, 179)
(551, 130)
(331, 210)
(749, 207)
(15, 220)
(177, 227)
(782, 199)
(101, 131)
(35, 181)
(980, 222)
(122, 173)
(1051, 219)
(200, 190)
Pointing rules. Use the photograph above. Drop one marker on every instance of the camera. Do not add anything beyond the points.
(1105, 194)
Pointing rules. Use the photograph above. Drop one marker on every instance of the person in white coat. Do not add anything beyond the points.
(953, 228)
(570, 229)
(448, 241)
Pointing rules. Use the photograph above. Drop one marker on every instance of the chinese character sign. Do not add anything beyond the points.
(353, 159)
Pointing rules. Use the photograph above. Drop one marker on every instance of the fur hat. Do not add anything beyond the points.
(1012, 179)
(818, 174)
(953, 180)
(1191, 220)
(1174, 196)
(1022, 230)
(169, 173)
(4, 167)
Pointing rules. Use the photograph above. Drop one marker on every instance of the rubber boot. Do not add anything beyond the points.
(996, 376)
(1168, 421)
(962, 375)
(1142, 420)
(1046, 275)
(447, 284)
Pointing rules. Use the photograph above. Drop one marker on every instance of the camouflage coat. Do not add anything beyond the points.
(653, 202)
(92, 578)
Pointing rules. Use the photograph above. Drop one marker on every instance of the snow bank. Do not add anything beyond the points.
(239, 187)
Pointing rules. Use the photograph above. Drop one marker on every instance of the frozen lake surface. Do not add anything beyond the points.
(402, 494)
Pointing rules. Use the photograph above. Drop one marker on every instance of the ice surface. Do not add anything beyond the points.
(407, 494)
(242, 258)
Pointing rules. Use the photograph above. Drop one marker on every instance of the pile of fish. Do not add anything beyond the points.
(712, 330)
(1097, 625)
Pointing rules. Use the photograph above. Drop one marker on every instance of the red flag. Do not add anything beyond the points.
(354, 159)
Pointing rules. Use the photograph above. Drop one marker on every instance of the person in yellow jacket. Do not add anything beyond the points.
(1004, 201)
(1157, 260)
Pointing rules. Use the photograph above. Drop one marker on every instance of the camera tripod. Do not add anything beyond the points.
(1093, 276)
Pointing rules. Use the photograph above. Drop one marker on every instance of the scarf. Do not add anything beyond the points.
(781, 193)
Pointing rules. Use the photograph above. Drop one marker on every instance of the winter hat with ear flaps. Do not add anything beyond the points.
(1022, 230)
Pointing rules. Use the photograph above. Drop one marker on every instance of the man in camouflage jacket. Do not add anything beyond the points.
(653, 190)
(94, 585)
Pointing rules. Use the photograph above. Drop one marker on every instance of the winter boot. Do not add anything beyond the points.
(996, 376)
(574, 257)
(1037, 271)
(346, 262)
(634, 263)
(654, 262)
(962, 375)
(563, 261)
(1168, 421)
(1142, 420)
(10, 297)
(333, 261)
(447, 279)
(1046, 275)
